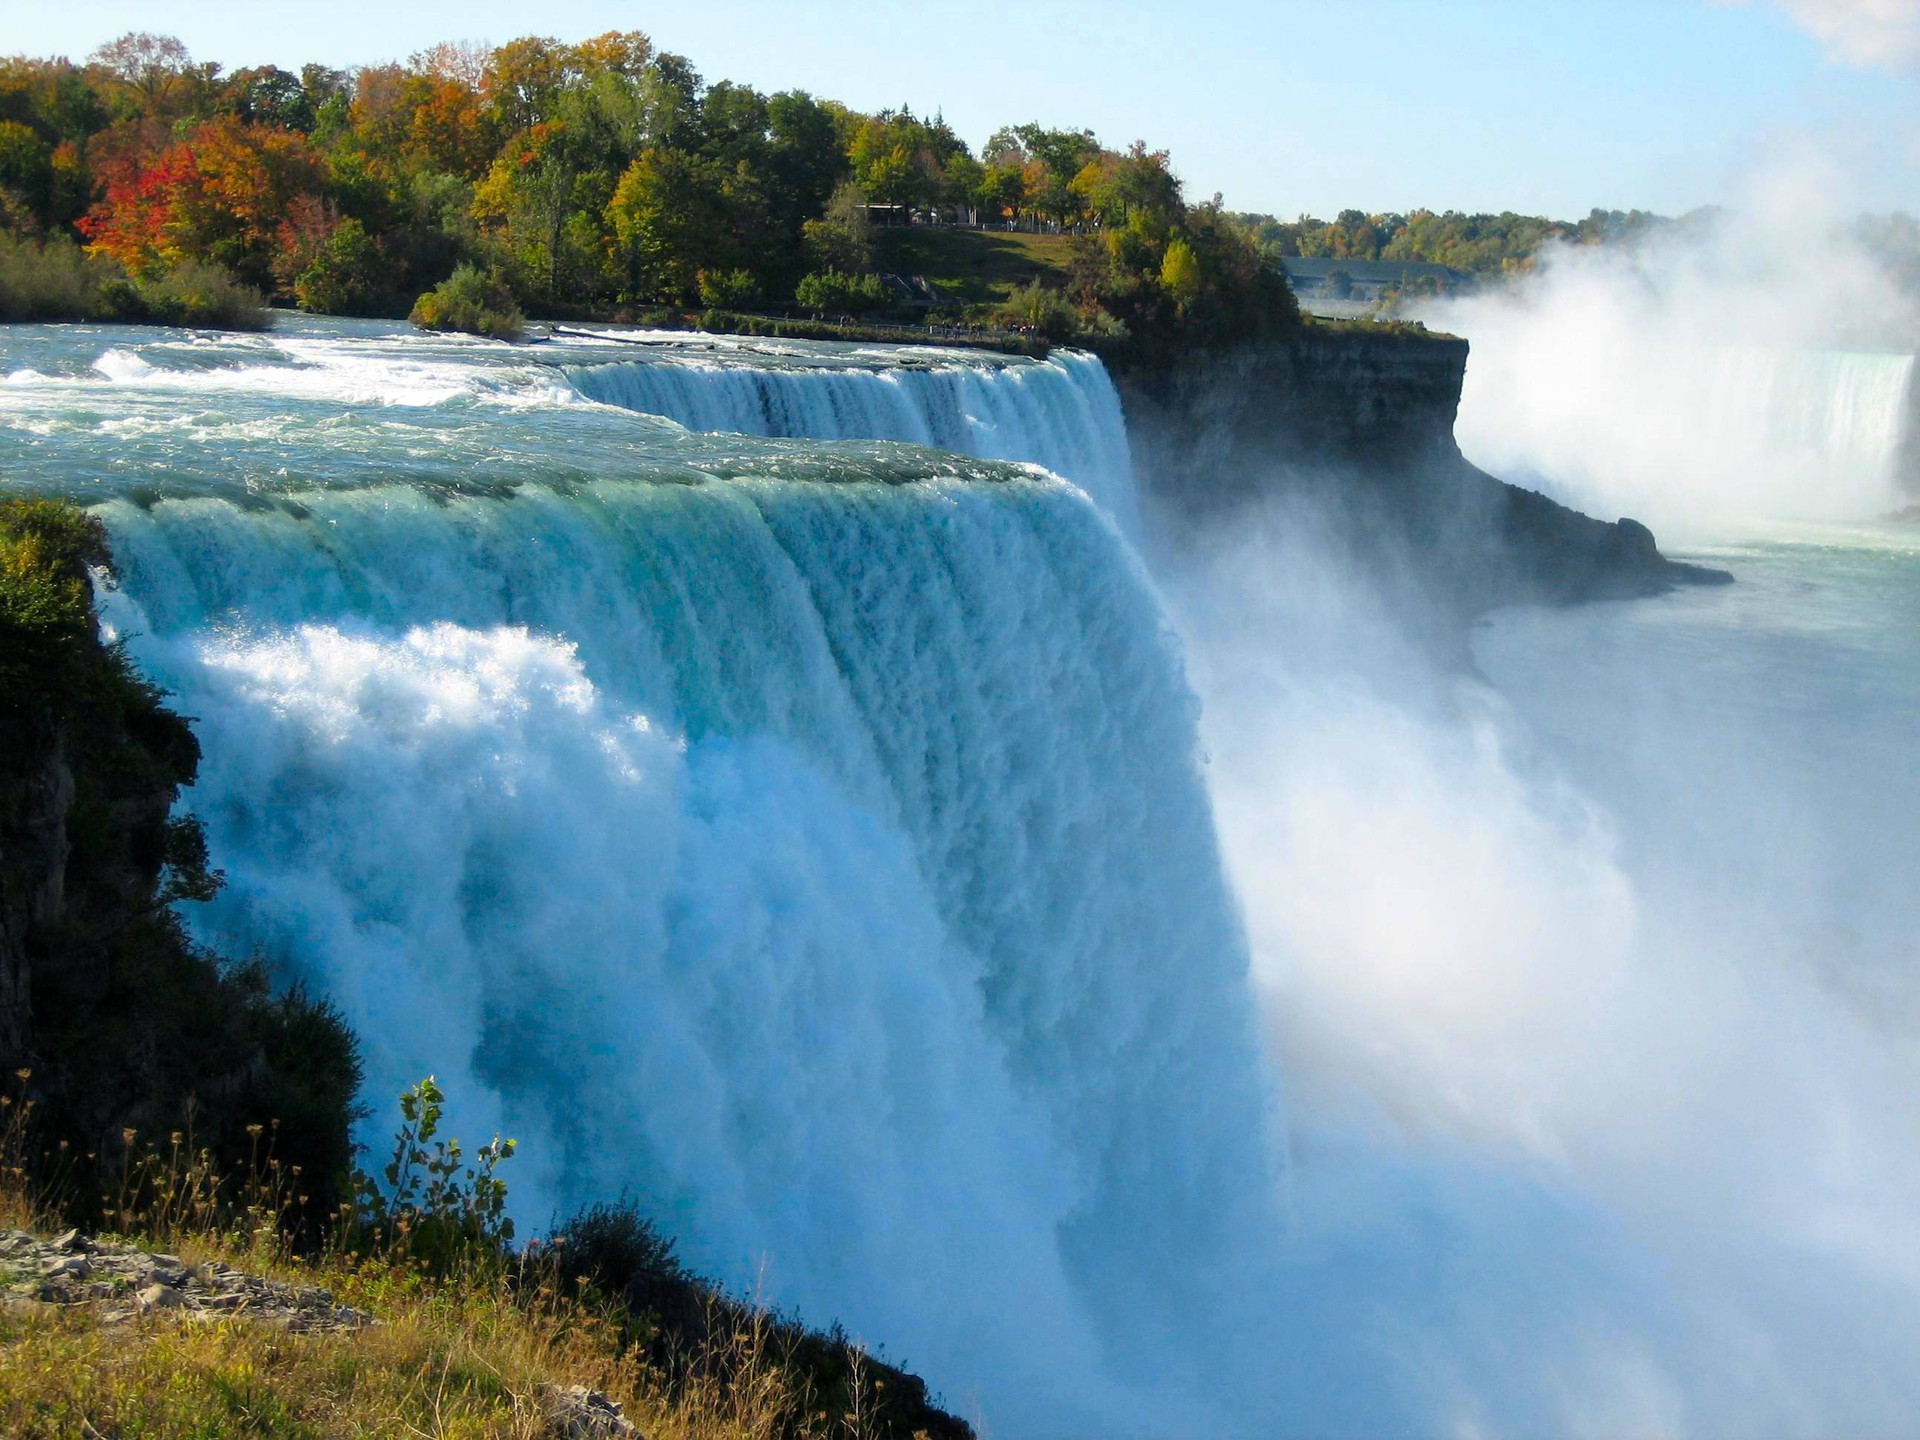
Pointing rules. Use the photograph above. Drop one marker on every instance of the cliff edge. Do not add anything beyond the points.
(1355, 425)
(113, 1020)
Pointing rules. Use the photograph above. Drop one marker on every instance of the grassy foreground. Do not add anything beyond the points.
(455, 1333)
(456, 1358)
(461, 1356)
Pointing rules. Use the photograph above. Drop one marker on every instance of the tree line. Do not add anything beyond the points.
(1482, 246)
(586, 178)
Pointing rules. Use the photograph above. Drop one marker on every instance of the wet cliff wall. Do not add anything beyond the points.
(1355, 424)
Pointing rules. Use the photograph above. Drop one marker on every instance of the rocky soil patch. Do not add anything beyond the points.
(121, 1282)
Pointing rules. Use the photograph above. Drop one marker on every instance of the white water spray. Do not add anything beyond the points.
(808, 841)
(1755, 368)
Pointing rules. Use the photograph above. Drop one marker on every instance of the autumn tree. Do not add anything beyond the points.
(538, 197)
(157, 73)
(223, 194)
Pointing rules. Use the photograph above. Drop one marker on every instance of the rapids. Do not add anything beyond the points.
(765, 780)
(807, 839)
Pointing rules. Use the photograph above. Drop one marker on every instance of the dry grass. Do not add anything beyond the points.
(461, 1356)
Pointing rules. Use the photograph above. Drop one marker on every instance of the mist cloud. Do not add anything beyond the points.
(1745, 368)
(1880, 34)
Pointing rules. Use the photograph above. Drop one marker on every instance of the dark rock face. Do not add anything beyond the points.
(123, 1023)
(36, 791)
(1356, 426)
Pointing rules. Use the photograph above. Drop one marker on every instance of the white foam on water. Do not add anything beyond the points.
(842, 886)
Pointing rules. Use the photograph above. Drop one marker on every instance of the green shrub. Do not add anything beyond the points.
(473, 302)
(56, 280)
(48, 280)
(835, 291)
(678, 1321)
(196, 292)
(1041, 309)
(625, 1257)
(45, 549)
(728, 289)
(346, 277)
(435, 1209)
(46, 606)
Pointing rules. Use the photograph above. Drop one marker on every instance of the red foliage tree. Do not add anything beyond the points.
(226, 193)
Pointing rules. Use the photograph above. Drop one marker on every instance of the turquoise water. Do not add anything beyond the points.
(802, 836)
(765, 780)
(1757, 741)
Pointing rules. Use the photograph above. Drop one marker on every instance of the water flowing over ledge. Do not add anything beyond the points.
(828, 865)
(1060, 413)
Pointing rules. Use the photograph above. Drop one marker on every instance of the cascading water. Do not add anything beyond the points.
(806, 834)
(1061, 413)
(1661, 392)
(806, 839)
(1724, 430)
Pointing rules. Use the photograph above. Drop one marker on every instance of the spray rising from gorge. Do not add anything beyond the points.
(1754, 366)
(810, 834)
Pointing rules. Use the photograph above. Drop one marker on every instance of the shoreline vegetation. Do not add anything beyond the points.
(573, 179)
(607, 177)
(197, 1306)
(195, 1122)
(56, 280)
(475, 188)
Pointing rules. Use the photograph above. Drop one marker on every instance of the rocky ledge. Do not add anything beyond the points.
(121, 1282)
(1349, 432)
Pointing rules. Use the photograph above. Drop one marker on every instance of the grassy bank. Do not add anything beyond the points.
(194, 1314)
(974, 267)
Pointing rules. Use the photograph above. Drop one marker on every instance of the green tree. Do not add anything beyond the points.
(842, 239)
(26, 175)
(347, 276)
(729, 289)
(666, 220)
(834, 292)
(1180, 273)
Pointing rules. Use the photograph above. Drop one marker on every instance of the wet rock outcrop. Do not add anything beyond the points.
(1354, 426)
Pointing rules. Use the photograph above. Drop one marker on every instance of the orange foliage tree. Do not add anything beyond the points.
(225, 193)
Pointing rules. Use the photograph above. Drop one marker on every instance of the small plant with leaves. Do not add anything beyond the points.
(437, 1208)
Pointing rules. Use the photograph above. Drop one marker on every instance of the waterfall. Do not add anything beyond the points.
(1685, 440)
(808, 840)
(1061, 413)
(1647, 393)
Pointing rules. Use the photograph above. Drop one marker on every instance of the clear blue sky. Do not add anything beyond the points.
(1554, 106)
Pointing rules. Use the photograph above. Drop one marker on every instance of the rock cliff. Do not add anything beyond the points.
(120, 1020)
(1357, 425)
